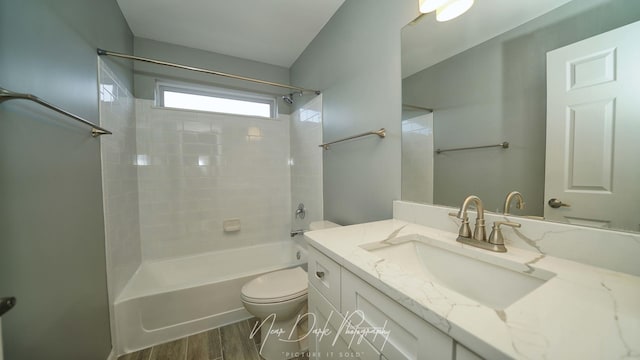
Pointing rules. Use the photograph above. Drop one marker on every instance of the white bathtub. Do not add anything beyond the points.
(173, 298)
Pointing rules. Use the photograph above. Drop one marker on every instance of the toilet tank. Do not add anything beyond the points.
(323, 224)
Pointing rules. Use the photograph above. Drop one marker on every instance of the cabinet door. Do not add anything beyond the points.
(328, 338)
(395, 331)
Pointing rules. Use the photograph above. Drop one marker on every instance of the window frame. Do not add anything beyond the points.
(215, 92)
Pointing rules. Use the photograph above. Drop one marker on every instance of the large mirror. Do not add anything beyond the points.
(556, 80)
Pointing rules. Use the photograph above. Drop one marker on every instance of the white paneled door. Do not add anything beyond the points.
(593, 131)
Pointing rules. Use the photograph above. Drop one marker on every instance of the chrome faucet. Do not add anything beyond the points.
(519, 201)
(496, 240)
(479, 239)
(479, 231)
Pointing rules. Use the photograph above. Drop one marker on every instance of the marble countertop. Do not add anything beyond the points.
(583, 312)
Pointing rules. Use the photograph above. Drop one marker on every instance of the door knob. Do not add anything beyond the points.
(555, 203)
(6, 304)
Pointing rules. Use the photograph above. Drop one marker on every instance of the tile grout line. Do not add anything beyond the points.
(220, 342)
(255, 347)
(151, 352)
(186, 348)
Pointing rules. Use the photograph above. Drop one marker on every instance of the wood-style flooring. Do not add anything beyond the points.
(229, 342)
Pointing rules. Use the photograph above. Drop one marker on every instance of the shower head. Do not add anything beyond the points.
(288, 99)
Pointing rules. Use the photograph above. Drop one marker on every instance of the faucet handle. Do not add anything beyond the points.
(465, 229)
(300, 211)
(496, 237)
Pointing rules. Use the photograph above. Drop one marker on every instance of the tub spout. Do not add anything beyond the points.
(297, 232)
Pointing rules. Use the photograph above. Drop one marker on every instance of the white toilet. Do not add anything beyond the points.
(283, 293)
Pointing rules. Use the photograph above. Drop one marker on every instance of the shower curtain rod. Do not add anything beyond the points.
(206, 71)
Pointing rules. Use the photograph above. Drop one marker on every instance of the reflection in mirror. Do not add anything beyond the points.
(417, 153)
(496, 90)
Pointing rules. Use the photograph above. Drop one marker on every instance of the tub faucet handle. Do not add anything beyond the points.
(300, 211)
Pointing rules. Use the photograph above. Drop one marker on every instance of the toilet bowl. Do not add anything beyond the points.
(276, 299)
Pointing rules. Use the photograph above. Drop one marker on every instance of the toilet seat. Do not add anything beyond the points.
(277, 286)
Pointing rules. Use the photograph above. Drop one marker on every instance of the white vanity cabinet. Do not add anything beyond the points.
(462, 353)
(407, 335)
(390, 330)
(329, 339)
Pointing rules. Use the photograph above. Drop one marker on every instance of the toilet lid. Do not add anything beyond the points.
(277, 286)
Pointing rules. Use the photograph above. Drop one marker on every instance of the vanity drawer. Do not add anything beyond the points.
(324, 274)
(405, 335)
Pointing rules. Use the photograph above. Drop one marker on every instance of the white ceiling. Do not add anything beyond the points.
(274, 32)
(428, 42)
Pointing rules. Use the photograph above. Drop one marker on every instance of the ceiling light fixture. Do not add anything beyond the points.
(445, 9)
(452, 9)
(427, 6)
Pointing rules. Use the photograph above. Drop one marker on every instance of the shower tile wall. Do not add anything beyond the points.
(120, 185)
(197, 169)
(417, 159)
(306, 162)
(119, 179)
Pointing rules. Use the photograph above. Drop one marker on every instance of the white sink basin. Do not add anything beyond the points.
(460, 270)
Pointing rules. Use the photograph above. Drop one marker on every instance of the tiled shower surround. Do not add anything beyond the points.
(306, 162)
(417, 159)
(198, 169)
(119, 180)
(120, 185)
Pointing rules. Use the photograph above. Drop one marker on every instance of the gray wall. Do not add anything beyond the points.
(496, 92)
(355, 61)
(52, 250)
(146, 74)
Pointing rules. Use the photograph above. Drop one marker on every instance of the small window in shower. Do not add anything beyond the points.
(215, 100)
